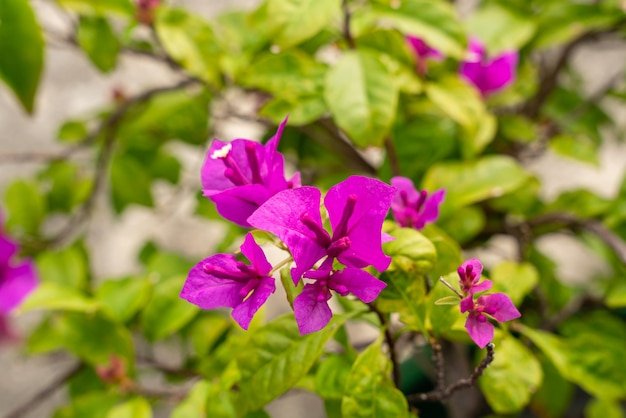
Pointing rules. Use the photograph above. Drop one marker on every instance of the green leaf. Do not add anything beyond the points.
(66, 268)
(22, 46)
(369, 390)
(516, 280)
(206, 330)
(331, 376)
(26, 207)
(465, 225)
(410, 251)
(554, 396)
(166, 312)
(57, 297)
(602, 408)
(462, 102)
(616, 297)
(98, 40)
(449, 256)
(579, 148)
(190, 41)
(90, 405)
(291, 290)
(130, 183)
(362, 97)
(195, 404)
(166, 167)
(134, 408)
(445, 319)
(404, 294)
(100, 7)
(435, 22)
(580, 202)
(298, 20)
(512, 378)
(501, 28)
(67, 186)
(72, 131)
(48, 336)
(122, 299)
(474, 181)
(266, 375)
(301, 110)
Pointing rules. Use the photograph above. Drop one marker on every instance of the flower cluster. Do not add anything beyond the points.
(489, 74)
(494, 305)
(17, 280)
(246, 182)
(414, 209)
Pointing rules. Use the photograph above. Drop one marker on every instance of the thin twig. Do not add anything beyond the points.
(391, 343)
(347, 34)
(438, 360)
(440, 395)
(394, 163)
(45, 393)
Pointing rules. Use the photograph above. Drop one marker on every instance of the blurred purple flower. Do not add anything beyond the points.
(356, 207)
(222, 281)
(469, 275)
(488, 74)
(311, 306)
(414, 209)
(423, 52)
(496, 305)
(241, 175)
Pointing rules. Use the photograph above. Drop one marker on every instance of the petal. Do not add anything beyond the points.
(365, 224)
(430, 212)
(477, 267)
(480, 332)
(238, 203)
(505, 310)
(212, 174)
(311, 314)
(481, 287)
(243, 313)
(358, 282)
(500, 72)
(281, 216)
(467, 304)
(473, 72)
(7, 249)
(404, 184)
(207, 291)
(255, 254)
(19, 282)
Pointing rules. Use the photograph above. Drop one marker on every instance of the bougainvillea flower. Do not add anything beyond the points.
(423, 52)
(469, 277)
(356, 208)
(311, 306)
(488, 74)
(221, 281)
(496, 305)
(17, 278)
(414, 209)
(241, 175)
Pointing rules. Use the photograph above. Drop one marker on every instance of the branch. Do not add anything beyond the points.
(45, 393)
(390, 343)
(442, 394)
(394, 163)
(346, 25)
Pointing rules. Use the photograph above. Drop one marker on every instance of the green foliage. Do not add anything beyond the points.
(99, 42)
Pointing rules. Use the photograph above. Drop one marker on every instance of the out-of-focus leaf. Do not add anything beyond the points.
(298, 20)
(445, 319)
(517, 128)
(72, 131)
(404, 294)
(100, 7)
(98, 40)
(301, 110)
(580, 202)
(67, 267)
(500, 28)
(449, 256)
(195, 404)
(26, 207)
(435, 22)
(48, 336)
(130, 183)
(166, 312)
(166, 167)
(370, 392)
(57, 297)
(362, 98)
(67, 186)
(512, 378)
(516, 280)
(90, 405)
(554, 396)
(331, 376)
(190, 41)
(602, 408)
(22, 46)
(524, 201)
(465, 224)
(206, 330)
(266, 375)
(473, 181)
(578, 148)
(462, 102)
(122, 299)
(134, 408)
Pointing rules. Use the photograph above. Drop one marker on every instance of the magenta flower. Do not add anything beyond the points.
(423, 52)
(311, 306)
(222, 281)
(496, 305)
(414, 209)
(488, 74)
(469, 276)
(241, 175)
(356, 208)
(17, 278)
